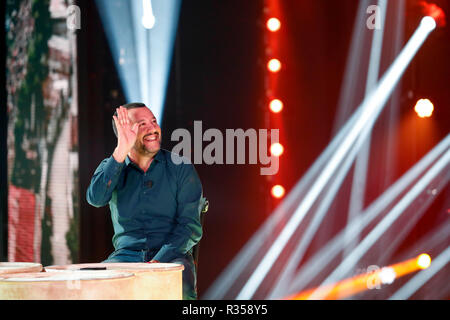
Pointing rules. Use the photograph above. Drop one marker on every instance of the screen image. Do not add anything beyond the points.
(42, 132)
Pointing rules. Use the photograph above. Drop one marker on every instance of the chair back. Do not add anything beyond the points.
(196, 249)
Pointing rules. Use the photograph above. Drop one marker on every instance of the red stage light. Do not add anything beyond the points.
(273, 24)
(424, 108)
(432, 10)
(276, 149)
(277, 191)
(276, 105)
(274, 65)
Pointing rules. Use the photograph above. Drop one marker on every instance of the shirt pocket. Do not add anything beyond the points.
(127, 197)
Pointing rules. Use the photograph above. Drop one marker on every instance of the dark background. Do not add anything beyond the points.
(217, 77)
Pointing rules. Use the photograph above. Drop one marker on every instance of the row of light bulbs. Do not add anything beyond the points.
(275, 105)
(424, 107)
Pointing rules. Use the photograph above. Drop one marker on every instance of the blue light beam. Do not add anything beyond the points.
(142, 56)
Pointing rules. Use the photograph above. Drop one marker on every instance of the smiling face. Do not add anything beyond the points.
(149, 133)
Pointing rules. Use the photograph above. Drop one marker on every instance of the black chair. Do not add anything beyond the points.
(196, 249)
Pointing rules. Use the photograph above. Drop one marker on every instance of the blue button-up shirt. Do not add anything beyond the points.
(156, 210)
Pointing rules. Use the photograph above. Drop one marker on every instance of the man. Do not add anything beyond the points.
(155, 204)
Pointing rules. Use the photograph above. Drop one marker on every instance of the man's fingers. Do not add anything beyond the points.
(118, 125)
(116, 121)
(125, 116)
(123, 122)
(120, 115)
(134, 127)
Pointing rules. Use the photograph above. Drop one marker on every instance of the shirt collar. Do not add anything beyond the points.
(158, 157)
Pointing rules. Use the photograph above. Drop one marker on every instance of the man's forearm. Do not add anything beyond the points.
(104, 182)
(185, 236)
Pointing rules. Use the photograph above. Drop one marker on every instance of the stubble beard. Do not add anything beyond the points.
(142, 150)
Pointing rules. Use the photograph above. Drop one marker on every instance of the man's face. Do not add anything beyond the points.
(149, 133)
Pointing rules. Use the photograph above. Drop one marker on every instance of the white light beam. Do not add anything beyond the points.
(384, 224)
(372, 106)
(324, 257)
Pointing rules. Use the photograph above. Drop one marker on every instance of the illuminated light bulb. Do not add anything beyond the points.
(277, 191)
(276, 149)
(424, 108)
(387, 275)
(371, 106)
(148, 19)
(273, 24)
(428, 22)
(423, 261)
(276, 105)
(274, 65)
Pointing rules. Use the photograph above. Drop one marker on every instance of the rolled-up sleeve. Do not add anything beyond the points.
(103, 182)
(187, 231)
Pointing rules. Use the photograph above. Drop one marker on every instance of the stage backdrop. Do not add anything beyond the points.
(42, 132)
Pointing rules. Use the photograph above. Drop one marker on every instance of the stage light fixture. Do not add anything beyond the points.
(243, 259)
(424, 108)
(371, 107)
(273, 24)
(428, 23)
(423, 261)
(142, 57)
(274, 65)
(434, 12)
(276, 149)
(277, 191)
(387, 275)
(148, 19)
(276, 105)
(369, 280)
(325, 255)
(414, 284)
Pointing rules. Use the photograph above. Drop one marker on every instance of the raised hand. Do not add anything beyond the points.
(126, 134)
